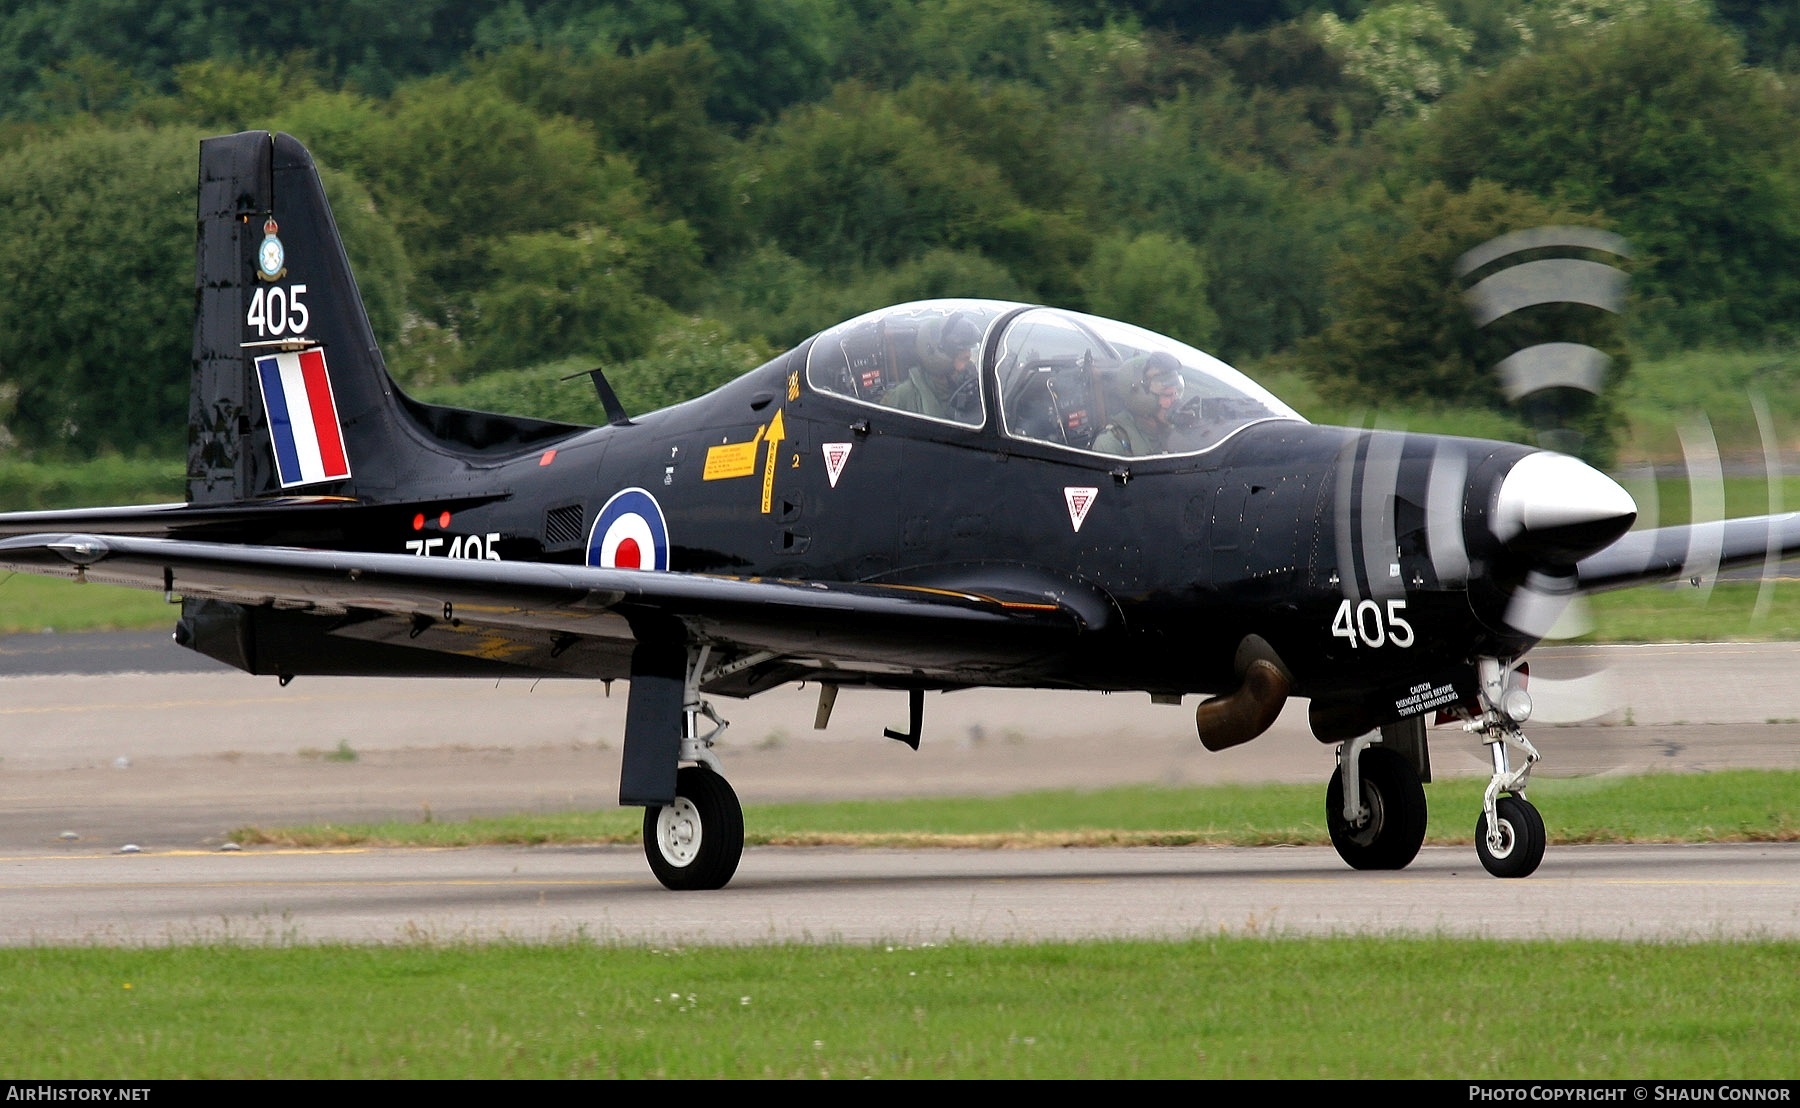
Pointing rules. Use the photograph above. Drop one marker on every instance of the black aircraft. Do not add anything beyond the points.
(932, 496)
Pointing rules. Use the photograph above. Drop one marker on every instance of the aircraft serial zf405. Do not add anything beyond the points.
(929, 497)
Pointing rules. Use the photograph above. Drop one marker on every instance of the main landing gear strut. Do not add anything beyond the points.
(1375, 805)
(696, 841)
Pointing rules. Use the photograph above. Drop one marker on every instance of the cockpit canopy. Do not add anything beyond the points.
(1060, 377)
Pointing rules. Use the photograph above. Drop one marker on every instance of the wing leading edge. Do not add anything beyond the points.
(947, 636)
(1690, 550)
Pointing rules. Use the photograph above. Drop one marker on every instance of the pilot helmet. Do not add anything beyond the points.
(1152, 377)
(940, 341)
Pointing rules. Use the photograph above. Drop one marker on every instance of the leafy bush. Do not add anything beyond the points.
(690, 357)
(107, 479)
(97, 264)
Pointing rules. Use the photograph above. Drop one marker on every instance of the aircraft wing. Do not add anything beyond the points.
(1690, 550)
(955, 635)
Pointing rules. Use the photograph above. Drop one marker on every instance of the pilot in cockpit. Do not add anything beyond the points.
(1152, 386)
(942, 385)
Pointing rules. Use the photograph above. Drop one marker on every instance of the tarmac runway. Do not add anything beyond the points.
(842, 895)
(108, 741)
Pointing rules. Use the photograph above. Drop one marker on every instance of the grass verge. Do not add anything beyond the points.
(1210, 1007)
(30, 605)
(1730, 611)
(1728, 806)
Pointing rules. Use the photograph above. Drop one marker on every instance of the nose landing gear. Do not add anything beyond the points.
(1509, 835)
(1375, 804)
(1513, 844)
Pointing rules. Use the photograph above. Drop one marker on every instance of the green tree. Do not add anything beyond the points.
(1293, 98)
(459, 166)
(478, 187)
(688, 357)
(9, 401)
(1155, 281)
(233, 95)
(1690, 154)
(1004, 39)
(1408, 51)
(649, 106)
(1265, 236)
(768, 292)
(887, 45)
(372, 44)
(1216, 17)
(1035, 147)
(1402, 332)
(932, 275)
(88, 83)
(97, 259)
(557, 293)
(377, 257)
(1549, 22)
(859, 182)
(1771, 31)
(771, 53)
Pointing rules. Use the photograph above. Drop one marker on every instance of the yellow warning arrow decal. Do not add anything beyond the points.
(776, 432)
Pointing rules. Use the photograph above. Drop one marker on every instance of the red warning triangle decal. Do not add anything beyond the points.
(1079, 500)
(836, 454)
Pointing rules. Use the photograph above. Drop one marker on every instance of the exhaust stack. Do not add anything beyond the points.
(1235, 719)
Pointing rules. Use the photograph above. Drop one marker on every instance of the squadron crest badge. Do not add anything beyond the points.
(271, 256)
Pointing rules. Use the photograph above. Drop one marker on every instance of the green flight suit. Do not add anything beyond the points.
(919, 394)
(1127, 436)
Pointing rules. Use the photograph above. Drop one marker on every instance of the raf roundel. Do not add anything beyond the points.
(629, 533)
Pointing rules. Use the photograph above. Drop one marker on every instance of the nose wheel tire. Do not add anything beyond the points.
(696, 841)
(1521, 845)
(1390, 836)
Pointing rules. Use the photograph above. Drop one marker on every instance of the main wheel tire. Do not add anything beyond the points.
(697, 841)
(1395, 829)
(1521, 838)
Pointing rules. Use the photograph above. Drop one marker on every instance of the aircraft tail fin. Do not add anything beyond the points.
(290, 393)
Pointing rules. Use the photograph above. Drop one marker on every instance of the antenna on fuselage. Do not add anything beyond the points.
(615, 411)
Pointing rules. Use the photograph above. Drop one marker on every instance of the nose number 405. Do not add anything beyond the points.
(1368, 623)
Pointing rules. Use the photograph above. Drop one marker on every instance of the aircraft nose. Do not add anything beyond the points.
(1554, 507)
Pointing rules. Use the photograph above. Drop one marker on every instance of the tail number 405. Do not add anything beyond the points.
(1369, 623)
(278, 310)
